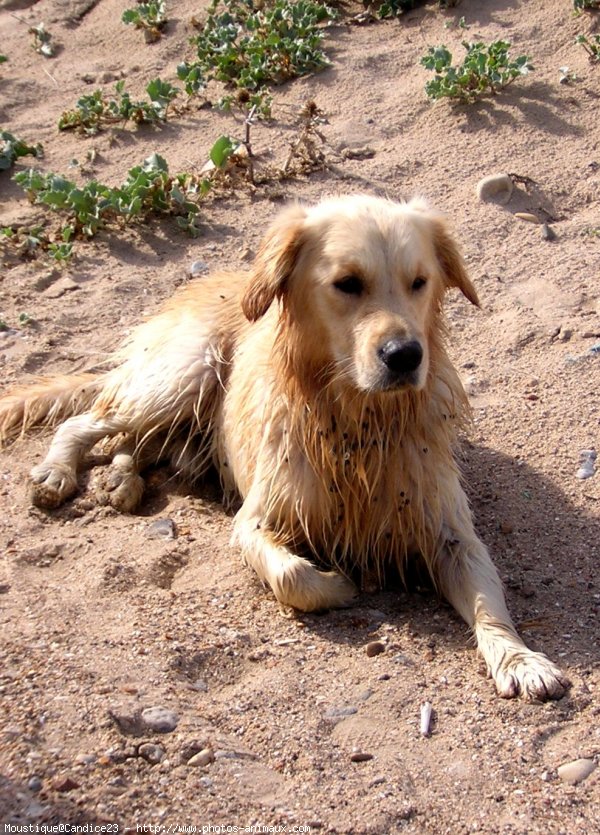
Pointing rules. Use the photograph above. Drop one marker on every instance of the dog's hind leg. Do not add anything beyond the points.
(55, 479)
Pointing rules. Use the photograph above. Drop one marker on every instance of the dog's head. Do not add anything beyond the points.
(361, 280)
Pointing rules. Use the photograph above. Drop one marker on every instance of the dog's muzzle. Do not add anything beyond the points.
(401, 359)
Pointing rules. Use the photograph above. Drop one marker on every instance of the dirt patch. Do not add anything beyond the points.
(97, 614)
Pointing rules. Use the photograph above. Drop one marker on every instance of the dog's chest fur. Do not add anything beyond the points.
(355, 482)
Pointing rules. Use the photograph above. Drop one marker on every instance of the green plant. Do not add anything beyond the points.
(3, 58)
(31, 242)
(12, 148)
(591, 45)
(150, 17)
(249, 45)
(582, 5)
(148, 190)
(96, 110)
(42, 40)
(485, 69)
(394, 8)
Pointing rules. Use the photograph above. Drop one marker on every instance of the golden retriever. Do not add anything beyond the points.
(319, 386)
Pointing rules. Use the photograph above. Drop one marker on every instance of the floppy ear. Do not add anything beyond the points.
(274, 263)
(453, 267)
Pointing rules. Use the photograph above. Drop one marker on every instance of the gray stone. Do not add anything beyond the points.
(162, 529)
(336, 714)
(151, 753)
(159, 719)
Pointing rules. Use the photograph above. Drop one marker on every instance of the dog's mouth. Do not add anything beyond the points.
(397, 382)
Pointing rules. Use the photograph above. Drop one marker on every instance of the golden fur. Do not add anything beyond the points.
(320, 388)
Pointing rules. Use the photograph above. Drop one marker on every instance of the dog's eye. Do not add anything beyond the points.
(418, 283)
(352, 285)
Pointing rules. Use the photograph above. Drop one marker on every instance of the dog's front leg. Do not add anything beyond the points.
(295, 581)
(470, 582)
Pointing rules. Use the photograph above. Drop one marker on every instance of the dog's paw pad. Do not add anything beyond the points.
(532, 676)
(51, 485)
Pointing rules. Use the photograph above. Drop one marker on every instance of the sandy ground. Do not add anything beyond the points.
(100, 621)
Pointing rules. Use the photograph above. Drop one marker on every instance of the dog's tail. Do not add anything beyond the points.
(46, 401)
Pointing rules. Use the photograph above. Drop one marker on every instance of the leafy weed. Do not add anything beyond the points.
(485, 69)
(249, 45)
(12, 148)
(591, 46)
(97, 110)
(151, 18)
(42, 40)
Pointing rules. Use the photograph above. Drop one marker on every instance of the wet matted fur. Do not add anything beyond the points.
(319, 386)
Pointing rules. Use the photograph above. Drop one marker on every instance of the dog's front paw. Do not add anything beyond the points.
(52, 484)
(530, 675)
(121, 488)
(302, 586)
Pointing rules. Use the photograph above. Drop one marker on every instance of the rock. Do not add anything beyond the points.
(162, 529)
(576, 771)
(194, 746)
(548, 233)
(202, 758)
(496, 187)
(364, 152)
(587, 460)
(65, 784)
(151, 753)
(374, 648)
(159, 720)
(336, 714)
(360, 757)
(198, 268)
(34, 784)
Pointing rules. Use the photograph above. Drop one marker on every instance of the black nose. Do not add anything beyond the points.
(401, 357)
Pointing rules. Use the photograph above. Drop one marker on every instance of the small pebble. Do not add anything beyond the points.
(337, 713)
(65, 784)
(366, 152)
(202, 758)
(192, 747)
(159, 720)
(576, 771)
(376, 781)
(548, 233)
(426, 709)
(587, 460)
(151, 753)
(360, 757)
(198, 268)
(34, 784)
(497, 187)
(162, 529)
(374, 648)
